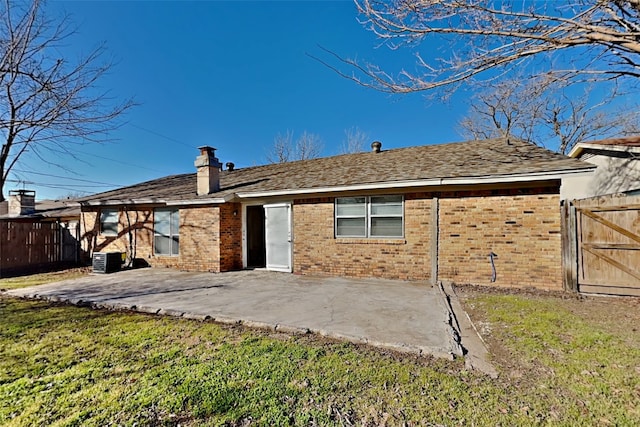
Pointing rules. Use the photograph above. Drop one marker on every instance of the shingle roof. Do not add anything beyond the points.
(471, 159)
(630, 141)
(629, 144)
(46, 209)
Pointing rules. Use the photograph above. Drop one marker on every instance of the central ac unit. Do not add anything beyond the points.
(106, 262)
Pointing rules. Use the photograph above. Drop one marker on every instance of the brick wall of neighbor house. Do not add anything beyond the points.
(317, 251)
(521, 227)
(202, 240)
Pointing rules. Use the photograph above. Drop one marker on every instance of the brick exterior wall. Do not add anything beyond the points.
(521, 226)
(522, 229)
(316, 250)
(210, 238)
(230, 237)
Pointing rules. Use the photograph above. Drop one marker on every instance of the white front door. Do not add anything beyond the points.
(278, 236)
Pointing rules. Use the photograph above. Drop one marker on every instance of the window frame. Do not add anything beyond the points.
(109, 231)
(363, 216)
(368, 216)
(173, 234)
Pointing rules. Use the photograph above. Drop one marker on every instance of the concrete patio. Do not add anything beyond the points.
(404, 316)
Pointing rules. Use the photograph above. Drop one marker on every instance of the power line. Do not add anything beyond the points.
(106, 184)
(58, 187)
(163, 136)
(119, 161)
(47, 184)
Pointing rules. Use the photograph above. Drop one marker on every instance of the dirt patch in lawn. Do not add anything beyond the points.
(617, 315)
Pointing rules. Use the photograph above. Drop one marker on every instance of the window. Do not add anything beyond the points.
(351, 217)
(109, 222)
(166, 232)
(375, 216)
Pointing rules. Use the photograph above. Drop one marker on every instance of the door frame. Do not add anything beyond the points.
(244, 231)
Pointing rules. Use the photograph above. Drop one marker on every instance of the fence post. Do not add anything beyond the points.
(569, 246)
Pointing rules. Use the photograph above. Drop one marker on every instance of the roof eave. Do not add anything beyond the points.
(199, 201)
(580, 147)
(437, 182)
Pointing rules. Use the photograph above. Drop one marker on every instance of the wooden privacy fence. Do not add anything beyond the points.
(29, 245)
(602, 245)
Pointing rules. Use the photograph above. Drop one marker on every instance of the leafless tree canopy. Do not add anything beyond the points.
(48, 103)
(544, 111)
(483, 38)
(286, 149)
(355, 140)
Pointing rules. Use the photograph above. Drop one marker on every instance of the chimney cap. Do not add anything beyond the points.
(22, 193)
(207, 149)
(376, 146)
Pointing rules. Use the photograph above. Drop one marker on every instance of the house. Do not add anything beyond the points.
(483, 212)
(37, 235)
(618, 161)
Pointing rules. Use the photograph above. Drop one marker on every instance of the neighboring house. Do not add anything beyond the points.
(618, 161)
(434, 212)
(36, 235)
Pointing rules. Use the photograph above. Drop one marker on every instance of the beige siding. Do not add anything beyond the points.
(613, 175)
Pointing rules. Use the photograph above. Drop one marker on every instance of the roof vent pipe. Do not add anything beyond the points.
(230, 166)
(376, 146)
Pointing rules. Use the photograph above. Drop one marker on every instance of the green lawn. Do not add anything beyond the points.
(64, 365)
(39, 279)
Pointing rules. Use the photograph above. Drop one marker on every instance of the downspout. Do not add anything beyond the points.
(435, 236)
(132, 247)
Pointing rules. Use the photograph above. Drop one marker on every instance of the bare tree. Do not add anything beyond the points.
(282, 150)
(485, 39)
(505, 108)
(308, 146)
(285, 149)
(355, 140)
(543, 111)
(49, 104)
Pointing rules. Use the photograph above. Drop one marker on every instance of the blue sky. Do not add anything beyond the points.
(231, 75)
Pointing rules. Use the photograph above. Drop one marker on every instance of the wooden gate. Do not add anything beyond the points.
(608, 244)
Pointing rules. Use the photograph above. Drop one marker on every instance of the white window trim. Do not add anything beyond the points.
(336, 217)
(170, 235)
(368, 216)
(104, 232)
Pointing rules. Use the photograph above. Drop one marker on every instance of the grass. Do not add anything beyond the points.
(587, 372)
(42, 278)
(65, 365)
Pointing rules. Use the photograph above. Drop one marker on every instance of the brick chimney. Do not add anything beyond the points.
(208, 167)
(21, 202)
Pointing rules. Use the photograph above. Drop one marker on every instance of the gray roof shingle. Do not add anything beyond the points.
(472, 159)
